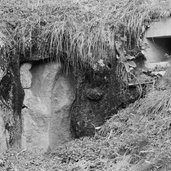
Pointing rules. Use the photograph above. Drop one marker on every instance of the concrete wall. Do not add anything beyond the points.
(153, 52)
(158, 40)
(159, 29)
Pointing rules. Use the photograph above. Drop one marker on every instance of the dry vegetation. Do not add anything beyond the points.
(85, 31)
(136, 138)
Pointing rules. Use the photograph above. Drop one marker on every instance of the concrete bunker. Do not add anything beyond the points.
(160, 48)
(48, 96)
(157, 41)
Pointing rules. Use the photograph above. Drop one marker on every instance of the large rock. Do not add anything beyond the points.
(61, 100)
(46, 119)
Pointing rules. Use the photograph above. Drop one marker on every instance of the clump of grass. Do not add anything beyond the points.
(156, 102)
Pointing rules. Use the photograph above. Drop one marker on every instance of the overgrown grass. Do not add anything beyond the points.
(85, 31)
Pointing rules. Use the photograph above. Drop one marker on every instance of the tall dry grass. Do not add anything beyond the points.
(85, 31)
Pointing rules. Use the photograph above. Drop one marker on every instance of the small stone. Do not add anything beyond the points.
(94, 94)
(25, 75)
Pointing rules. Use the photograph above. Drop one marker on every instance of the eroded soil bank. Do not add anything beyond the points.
(59, 106)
